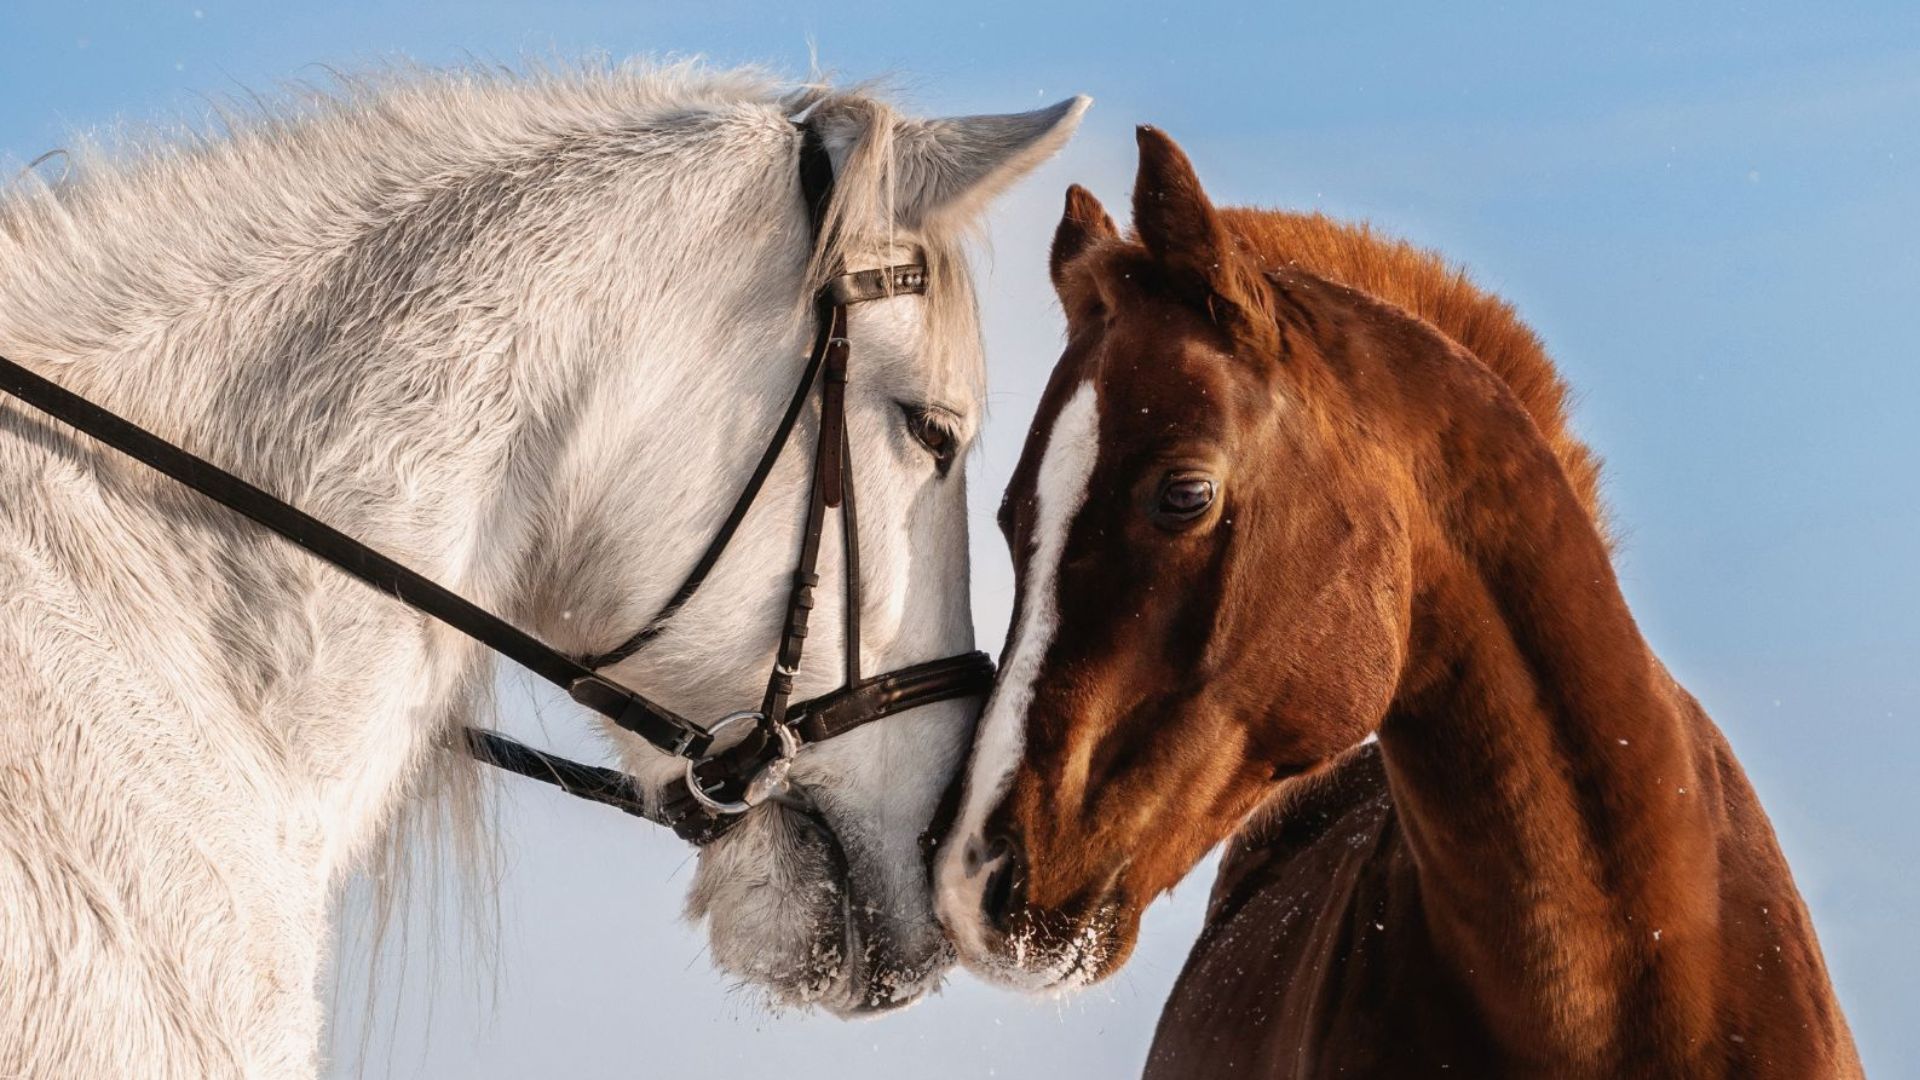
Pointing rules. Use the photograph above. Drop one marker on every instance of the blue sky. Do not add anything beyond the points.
(1711, 214)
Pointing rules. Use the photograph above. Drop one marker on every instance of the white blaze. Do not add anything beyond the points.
(1059, 492)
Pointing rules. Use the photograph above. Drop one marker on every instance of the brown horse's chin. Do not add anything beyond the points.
(1046, 952)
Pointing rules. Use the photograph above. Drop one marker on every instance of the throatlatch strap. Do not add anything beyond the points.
(816, 192)
(718, 545)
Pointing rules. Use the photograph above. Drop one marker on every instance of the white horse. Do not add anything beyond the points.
(526, 335)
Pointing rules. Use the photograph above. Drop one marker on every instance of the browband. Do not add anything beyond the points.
(863, 285)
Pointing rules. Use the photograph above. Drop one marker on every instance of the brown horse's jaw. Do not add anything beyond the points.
(1028, 948)
(1030, 959)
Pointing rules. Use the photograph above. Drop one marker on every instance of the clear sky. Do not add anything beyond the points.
(1710, 211)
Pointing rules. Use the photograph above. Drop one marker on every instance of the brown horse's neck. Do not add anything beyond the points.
(1552, 781)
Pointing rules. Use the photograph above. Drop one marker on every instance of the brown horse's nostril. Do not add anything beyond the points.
(1001, 895)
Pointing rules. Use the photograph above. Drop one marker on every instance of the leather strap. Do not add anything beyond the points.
(826, 484)
(858, 704)
(607, 786)
(850, 546)
(862, 285)
(718, 545)
(653, 722)
(859, 286)
(821, 718)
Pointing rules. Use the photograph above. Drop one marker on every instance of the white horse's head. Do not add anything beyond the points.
(697, 342)
(529, 336)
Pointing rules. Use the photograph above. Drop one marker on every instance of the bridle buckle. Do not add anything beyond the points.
(768, 783)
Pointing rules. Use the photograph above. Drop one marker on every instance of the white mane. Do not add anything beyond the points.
(513, 331)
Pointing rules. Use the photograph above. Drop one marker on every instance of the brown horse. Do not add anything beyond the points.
(1291, 487)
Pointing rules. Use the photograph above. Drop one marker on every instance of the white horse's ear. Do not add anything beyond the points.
(950, 169)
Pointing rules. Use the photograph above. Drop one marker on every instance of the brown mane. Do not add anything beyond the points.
(1426, 285)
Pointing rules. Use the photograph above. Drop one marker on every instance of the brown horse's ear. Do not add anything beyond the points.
(1083, 224)
(1181, 230)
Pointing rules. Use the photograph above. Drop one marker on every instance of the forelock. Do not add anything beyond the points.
(862, 217)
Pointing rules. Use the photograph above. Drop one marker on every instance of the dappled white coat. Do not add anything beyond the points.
(526, 335)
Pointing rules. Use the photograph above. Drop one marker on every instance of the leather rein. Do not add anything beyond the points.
(722, 783)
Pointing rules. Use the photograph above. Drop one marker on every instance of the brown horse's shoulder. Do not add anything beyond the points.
(1314, 959)
(1349, 796)
(1278, 935)
(1777, 1008)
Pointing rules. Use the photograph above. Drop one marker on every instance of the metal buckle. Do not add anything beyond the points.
(769, 782)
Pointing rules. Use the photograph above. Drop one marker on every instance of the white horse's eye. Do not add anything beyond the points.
(933, 429)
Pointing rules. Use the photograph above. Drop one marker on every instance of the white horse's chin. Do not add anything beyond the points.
(887, 976)
(785, 917)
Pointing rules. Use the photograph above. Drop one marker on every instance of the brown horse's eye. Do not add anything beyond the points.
(1185, 498)
(933, 430)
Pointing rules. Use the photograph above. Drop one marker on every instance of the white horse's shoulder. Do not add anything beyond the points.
(146, 924)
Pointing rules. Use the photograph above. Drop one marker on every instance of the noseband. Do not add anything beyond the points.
(721, 784)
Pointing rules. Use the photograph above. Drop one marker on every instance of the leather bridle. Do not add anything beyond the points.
(721, 784)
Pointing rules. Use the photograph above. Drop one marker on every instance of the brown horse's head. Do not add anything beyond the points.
(1214, 525)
